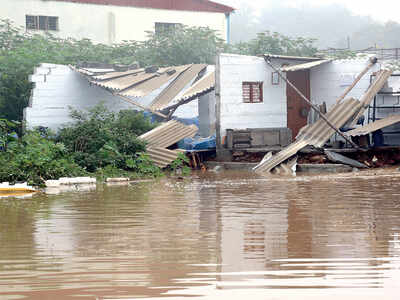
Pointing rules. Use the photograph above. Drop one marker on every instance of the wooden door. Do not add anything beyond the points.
(297, 108)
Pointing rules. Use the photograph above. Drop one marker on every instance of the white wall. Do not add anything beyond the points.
(329, 81)
(107, 23)
(57, 88)
(234, 114)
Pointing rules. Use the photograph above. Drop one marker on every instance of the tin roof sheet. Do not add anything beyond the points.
(287, 57)
(168, 134)
(176, 86)
(316, 134)
(371, 127)
(162, 157)
(305, 66)
(204, 85)
(154, 83)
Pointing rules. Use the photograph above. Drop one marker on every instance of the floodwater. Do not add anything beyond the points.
(210, 236)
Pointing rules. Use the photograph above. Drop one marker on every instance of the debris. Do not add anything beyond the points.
(117, 179)
(18, 187)
(336, 157)
(70, 181)
(316, 134)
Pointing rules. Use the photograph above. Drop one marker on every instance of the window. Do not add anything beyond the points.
(252, 92)
(162, 28)
(41, 22)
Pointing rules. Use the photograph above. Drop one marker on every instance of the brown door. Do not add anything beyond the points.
(297, 108)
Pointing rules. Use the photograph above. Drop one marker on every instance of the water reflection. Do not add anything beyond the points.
(213, 235)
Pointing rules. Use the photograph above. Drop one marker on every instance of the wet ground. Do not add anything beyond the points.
(212, 236)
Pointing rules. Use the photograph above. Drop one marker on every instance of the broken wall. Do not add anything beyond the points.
(57, 88)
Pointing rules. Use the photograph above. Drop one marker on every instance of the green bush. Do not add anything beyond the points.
(101, 138)
(36, 159)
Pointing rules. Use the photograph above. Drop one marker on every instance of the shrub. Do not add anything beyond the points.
(36, 159)
(100, 138)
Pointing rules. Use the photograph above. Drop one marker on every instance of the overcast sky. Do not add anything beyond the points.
(382, 10)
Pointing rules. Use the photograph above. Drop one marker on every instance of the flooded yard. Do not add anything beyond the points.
(210, 236)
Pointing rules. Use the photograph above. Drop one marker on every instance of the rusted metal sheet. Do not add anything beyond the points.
(316, 134)
(190, 5)
(168, 134)
(204, 85)
(162, 157)
(176, 86)
(305, 66)
(152, 84)
(371, 127)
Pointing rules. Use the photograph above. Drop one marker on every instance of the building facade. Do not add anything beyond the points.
(114, 21)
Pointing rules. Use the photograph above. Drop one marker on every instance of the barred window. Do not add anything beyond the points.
(41, 22)
(252, 92)
(163, 28)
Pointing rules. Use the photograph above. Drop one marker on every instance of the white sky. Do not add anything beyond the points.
(382, 10)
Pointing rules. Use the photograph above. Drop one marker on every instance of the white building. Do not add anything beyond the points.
(252, 98)
(113, 21)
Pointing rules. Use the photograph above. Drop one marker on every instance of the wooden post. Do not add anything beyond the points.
(314, 107)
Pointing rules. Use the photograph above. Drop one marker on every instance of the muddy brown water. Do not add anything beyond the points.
(211, 236)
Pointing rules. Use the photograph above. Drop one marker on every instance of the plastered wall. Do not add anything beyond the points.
(234, 114)
(107, 23)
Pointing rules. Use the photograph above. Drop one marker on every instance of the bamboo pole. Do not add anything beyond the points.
(314, 107)
(373, 61)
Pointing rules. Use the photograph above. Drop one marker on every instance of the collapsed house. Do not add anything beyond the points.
(258, 110)
(164, 92)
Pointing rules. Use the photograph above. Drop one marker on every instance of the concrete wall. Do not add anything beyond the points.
(207, 118)
(107, 23)
(234, 114)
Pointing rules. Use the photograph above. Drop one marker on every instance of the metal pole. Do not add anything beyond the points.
(315, 108)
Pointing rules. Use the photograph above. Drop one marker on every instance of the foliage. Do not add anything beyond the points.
(180, 165)
(100, 138)
(35, 159)
(7, 133)
(276, 43)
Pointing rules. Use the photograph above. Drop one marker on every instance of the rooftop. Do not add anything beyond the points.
(189, 5)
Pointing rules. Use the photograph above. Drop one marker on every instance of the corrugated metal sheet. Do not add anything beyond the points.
(204, 85)
(125, 82)
(175, 87)
(162, 157)
(316, 134)
(286, 57)
(381, 77)
(168, 134)
(371, 127)
(152, 84)
(305, 66)
(190, 5)
(114, 75)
